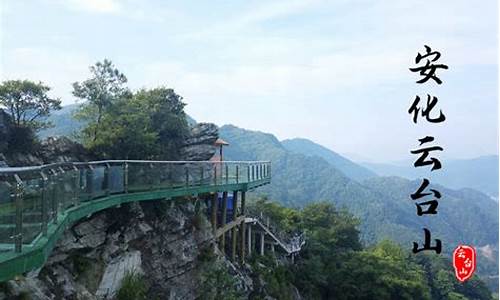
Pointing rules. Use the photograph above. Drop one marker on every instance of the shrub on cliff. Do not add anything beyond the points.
(133, 287)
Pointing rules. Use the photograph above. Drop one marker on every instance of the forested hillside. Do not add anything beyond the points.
(381, 203)
(309, 148)
(334, 264)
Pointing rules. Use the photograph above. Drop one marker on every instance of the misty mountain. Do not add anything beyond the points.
(479, 173)
(64, 123)
(382, 203)
(309, 148)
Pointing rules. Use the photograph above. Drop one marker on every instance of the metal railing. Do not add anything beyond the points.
(32, 198)
(293, 241)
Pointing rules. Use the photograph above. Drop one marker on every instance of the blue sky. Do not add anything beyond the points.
(335, 72)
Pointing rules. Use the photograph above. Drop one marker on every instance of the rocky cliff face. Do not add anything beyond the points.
(160, 239)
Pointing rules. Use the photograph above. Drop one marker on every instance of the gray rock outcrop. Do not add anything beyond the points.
(200, 145)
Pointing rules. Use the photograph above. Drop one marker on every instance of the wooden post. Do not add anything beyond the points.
(214, 212)
(224, 216)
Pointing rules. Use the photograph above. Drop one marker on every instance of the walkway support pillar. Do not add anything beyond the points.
(262, 243)
(234, 238)
(242, 229)
(242, 241)
(249, 234)
(213, 214)
(224, 216)
(243, 203)
(235, 205)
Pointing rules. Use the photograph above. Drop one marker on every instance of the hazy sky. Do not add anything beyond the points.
(335, 72)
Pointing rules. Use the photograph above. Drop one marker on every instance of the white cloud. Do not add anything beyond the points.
(58, 69)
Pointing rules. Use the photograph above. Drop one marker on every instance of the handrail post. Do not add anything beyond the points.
(253, 172)
(202, 174)
(150, 177)
(107, 179)
(54, 202)
(227, 173)
(215, 174)
(18, 194)
(237, 174)
(44, 203)
(90, 181)
(76, 181)
(60, 190)
(248, 173)
(186, 170)
(125, 177)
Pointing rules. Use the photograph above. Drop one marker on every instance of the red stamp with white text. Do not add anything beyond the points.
(464, 262)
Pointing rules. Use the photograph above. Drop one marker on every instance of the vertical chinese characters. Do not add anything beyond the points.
(427, 202)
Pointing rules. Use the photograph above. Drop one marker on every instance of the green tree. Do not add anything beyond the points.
(101, 91)
(167, 118)
(127, 132)
(27, 105)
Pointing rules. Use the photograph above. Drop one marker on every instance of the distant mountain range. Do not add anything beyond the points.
(478, 173)
(64, 123)
(465, 216)
(309, 148)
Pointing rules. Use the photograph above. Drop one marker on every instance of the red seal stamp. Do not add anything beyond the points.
(464, 262)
